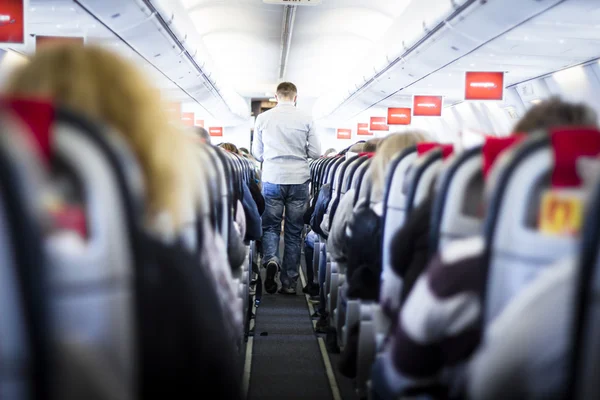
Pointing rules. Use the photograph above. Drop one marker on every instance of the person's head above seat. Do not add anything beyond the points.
(232, 148)
(286, 92)
(203, 135)
(104, 86)
(371, 145)
(329, 152)
(386, 150)
(553, 113)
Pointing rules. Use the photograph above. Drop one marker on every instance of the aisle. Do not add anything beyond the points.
(286, 358)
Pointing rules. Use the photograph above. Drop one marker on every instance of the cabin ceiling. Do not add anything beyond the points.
(339, 45)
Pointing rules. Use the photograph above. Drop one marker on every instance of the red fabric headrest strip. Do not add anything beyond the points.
(71, 218)
(369, 154)
(494, 146)
(569, 144)
(38, 116)
(425, 147)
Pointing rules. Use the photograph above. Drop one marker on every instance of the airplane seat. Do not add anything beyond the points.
(93, 286)
(349, 309)
(24, 313)
(582, 378)
(458, 197)
(394, 210)
(338, 185)
(337, 269)
(351, 173)
(359, 176)
(522, 233)
(419, 177)
(332, 276)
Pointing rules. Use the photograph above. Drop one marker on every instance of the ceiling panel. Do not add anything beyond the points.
(566, 35)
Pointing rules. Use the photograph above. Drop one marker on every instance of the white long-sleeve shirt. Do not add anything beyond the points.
(284, 140)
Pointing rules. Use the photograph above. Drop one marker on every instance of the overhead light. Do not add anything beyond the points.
(273, 100)
(536, 101)
(561, 41)
(472, 65)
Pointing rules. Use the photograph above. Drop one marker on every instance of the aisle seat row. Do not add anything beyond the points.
(499, 195)
(102, 308)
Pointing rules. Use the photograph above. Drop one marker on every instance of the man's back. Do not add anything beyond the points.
(284, 140)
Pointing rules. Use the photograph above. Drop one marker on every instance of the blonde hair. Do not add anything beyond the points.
(386, 150)
(104, 86)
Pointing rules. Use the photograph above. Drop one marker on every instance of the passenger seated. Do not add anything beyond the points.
(439, 325)
(105, 87)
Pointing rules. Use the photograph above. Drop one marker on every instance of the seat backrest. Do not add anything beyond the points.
(24, 325)
(394, 203)
(459, 193)
(582, 382)
(516, 250)
(423, 173)
(93, 290)
(359, 176)
(332, 171)
(350, 173)
(338, 184)
(223, 201)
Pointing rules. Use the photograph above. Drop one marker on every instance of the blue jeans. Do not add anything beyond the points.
(294, 200)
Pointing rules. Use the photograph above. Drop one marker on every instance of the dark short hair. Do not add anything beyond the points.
(244, 150)
(371, 145)
(203, 133)
(286, 90)
(553, 113)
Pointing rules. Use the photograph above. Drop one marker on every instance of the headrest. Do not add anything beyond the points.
(369, 155)
(423, 148)
(494, 146)
(38, 116)
(570, 144)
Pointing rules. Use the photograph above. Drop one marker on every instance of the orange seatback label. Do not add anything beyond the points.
(562, 212)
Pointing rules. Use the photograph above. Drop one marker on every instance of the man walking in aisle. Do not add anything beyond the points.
(284, 140)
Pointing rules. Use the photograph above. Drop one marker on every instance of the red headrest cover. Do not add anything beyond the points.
(38, 116)
(569, 144)
(71, 218)
(369, 154)
(425, 147)
(494, 146)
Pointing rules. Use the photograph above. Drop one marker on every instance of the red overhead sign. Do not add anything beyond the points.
(484, 86)
(399, 116)
(379, 124)
(344, 133)
(427, 106)
(200, 122)
(12, 21)
(187, 118)
(218, 131)
(363, 129)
